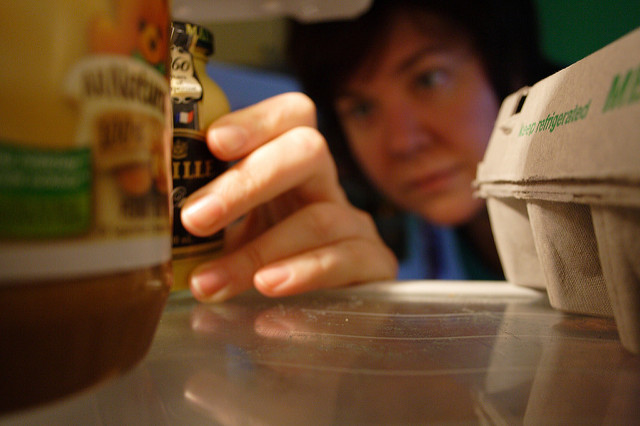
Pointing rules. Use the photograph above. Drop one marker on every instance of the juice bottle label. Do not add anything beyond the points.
(99, 201)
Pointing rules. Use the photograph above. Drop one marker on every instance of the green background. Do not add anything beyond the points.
(572, 29)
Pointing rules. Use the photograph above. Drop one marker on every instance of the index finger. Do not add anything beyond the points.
(237, 134)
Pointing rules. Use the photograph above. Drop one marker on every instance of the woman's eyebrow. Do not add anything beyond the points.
(419, 55)
(349, 94)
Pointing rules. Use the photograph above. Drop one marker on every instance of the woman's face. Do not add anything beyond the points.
(418, 118)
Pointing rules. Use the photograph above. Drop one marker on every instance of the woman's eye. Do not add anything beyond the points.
(360, 110)
(356, 110)
(430, 79)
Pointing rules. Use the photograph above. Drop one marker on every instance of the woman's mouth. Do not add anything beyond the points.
(434, 182)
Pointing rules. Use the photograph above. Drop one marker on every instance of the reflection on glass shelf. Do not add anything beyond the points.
(398, 352)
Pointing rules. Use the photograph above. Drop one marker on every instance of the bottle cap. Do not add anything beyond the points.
(192, 37)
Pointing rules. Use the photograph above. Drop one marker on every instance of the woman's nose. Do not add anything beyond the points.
(405, 133)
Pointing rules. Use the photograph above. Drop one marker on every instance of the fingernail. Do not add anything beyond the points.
(209, 284)
(273, 277)
(229, 139)
(199, 216)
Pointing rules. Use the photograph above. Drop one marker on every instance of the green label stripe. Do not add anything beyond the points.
(44, 193)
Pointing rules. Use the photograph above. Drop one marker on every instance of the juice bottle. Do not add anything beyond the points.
(197, 101)
(85, 219)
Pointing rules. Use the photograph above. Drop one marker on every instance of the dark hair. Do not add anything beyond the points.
(504, 33)
(324, 55)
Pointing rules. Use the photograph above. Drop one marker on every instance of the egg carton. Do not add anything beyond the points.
(561, 176)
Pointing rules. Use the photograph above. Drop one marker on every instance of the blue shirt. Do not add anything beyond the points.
(440, 252)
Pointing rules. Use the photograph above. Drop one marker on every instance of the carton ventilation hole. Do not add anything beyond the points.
(520, 104)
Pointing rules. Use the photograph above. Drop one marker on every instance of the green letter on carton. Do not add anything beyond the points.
(625, 92)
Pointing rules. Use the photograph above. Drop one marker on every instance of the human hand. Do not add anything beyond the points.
(297, 230)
